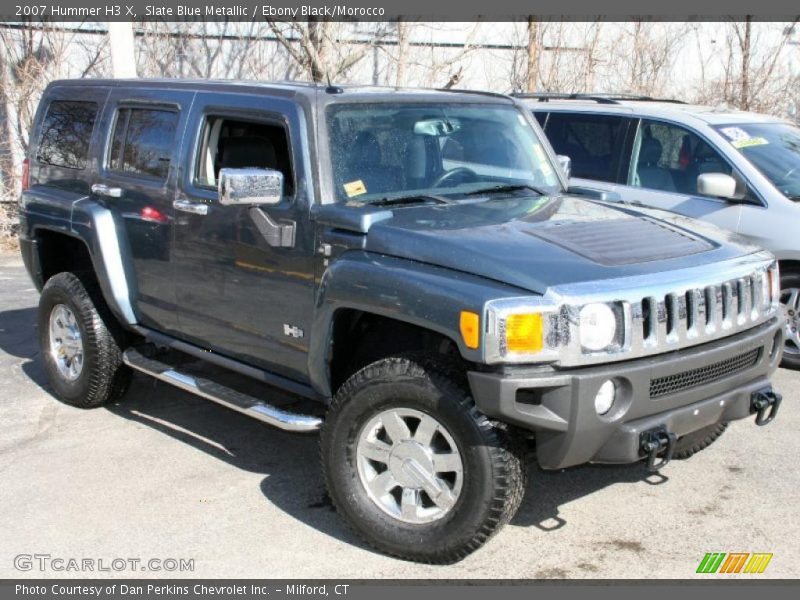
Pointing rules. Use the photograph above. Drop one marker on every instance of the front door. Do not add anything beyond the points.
(665, 161)
(241, 292)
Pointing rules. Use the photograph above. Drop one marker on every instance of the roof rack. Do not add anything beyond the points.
(600, 98)
(476, 92)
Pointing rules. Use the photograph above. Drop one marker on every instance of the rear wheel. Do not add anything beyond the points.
(82, 358)
(413, 466)
(790, 302)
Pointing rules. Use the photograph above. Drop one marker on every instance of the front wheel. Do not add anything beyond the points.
(413, 466)
(790, 302)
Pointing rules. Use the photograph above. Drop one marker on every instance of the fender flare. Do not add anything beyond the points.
(415, 293)
(98, 228)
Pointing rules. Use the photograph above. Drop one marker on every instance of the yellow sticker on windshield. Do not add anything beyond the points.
(355, 188)
(747, 142)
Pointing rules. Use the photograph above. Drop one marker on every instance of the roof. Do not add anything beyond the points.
(290, 89)
(669, 109)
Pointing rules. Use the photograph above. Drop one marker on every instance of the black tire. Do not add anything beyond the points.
(103, 377)
(692, 443)
(790, 278)
(493, 471)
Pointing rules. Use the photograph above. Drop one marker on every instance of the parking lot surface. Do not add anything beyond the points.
(165, 475)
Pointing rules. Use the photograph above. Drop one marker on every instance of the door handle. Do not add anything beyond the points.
(196, 208)
(101, 189)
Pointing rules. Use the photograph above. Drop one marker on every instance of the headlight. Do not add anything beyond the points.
(535, 330)
(598, 326)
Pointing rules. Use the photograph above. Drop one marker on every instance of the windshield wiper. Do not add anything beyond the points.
(506, 188)
(415, 199)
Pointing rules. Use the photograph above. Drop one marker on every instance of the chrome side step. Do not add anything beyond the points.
(221, 394)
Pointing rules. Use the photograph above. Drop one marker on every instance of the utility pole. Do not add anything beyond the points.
(123, 58)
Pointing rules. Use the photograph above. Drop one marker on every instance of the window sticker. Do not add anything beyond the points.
(355, 188)
(735, 133)
(739, 138)
(755, 141)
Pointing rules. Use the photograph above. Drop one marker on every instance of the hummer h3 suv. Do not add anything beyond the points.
(409, 261)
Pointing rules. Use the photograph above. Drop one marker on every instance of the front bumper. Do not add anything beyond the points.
(681, 391)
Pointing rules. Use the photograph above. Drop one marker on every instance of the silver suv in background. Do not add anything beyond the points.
(737, 170)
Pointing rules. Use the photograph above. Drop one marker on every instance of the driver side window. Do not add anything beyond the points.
(670, 158)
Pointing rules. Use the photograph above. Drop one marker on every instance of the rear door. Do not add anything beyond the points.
(64, 141)
(136, 180)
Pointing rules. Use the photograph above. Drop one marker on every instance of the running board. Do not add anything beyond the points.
(222, 395)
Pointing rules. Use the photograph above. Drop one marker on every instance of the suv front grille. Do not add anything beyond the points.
(687, 317)
(671, 384)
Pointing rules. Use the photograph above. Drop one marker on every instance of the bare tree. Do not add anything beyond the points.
(641, 57)
(749, 69)
(320, 47)
(534, 52)
(403, 29)
(553, 56)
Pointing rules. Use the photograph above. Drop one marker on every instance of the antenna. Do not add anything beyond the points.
(332, 89)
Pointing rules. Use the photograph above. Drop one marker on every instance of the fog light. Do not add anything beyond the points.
(605, 397)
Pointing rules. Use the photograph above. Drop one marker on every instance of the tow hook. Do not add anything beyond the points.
(760, 403)
(655, 441)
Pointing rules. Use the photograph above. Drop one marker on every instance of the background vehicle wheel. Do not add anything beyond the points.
(413, 467)
(790, 301)
(82, 358)
(694, 442)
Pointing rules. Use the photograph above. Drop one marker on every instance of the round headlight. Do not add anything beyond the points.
(605, 397)
(598, 326)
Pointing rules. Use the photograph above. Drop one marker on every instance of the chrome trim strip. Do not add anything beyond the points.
(111, 255)
(220, 394)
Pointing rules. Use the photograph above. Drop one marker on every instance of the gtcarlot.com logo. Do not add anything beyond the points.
(47, 562)
(734, 562)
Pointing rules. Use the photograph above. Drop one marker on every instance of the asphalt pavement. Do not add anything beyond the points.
(163, 476)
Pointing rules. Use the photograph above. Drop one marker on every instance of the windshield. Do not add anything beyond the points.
(774, 149)
(383, 151)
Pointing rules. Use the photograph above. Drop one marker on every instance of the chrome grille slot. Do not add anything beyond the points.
(691, 313)
(727, 303)
(671, 305)
(649, 320)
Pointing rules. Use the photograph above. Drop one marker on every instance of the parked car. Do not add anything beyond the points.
(409, 261)
(738, 170)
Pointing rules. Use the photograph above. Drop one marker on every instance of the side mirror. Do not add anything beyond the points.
(717, 185)
(250, 186)
(565, 162)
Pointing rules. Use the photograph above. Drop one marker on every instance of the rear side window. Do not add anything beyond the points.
(142, 142)
(66, 133)
(593, 142)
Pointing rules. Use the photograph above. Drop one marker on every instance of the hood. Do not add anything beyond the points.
(535, 242)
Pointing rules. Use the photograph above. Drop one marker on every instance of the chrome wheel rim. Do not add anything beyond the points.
(409, 465)
(790, 302)
(66, 345)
